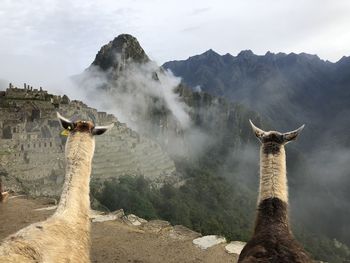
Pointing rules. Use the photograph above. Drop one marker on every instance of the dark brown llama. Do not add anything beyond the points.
(273, 240)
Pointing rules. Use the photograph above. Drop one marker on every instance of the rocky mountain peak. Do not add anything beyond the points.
(343, 60)
(210, 52)
(246, 53)
(121, 49)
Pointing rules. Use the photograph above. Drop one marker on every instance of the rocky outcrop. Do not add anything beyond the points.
(134, 86)
(235, 247)
(121, 50)
(208, 241)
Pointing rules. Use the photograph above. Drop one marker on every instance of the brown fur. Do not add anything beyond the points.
(272, 240)
(84, 126)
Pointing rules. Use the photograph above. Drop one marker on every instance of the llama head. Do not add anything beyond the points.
(82, 126)
(274, 137)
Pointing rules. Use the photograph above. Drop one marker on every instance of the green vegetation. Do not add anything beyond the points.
(220, 181)
(205, 203)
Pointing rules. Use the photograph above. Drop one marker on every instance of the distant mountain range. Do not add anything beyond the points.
(204, 127)
(138, 89)
(197, 128)
(288, 90)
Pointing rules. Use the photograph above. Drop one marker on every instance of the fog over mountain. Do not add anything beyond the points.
(279, 91)
(198, 110)
(289, 90)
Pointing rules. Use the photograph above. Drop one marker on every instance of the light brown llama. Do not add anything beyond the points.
(273, 240)
(65, 236)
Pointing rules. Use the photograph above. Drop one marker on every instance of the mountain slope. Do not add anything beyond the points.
(209, 139)
(32, 149)
(288, 90)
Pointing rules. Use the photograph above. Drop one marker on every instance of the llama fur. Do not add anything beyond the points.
(273, 240)
(65, 236)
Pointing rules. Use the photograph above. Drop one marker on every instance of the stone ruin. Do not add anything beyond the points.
(32, 149)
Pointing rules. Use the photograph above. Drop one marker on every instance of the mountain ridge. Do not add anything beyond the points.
(219, 125)
(249, 52)
(288, 90)
(219, 187)
(261, 82)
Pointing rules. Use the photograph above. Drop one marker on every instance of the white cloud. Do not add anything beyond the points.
(44, 38)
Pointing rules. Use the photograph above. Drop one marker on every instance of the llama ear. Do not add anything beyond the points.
(258, 132)
(66, 124)
(291, 136)
(98, 130)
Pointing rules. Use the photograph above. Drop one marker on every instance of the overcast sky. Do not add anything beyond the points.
(45, 39)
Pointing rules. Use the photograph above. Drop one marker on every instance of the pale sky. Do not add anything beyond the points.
(45, 39)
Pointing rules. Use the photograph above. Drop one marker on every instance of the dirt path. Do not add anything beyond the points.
(115, 241)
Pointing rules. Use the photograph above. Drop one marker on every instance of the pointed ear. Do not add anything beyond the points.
(291, 136)
(98, 130)
(66, 124)
(258, 132)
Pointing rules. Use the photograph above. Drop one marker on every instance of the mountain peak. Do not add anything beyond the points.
(246, 53)
(210, 52)
(343, 60)
(124, 46)
(309, 56)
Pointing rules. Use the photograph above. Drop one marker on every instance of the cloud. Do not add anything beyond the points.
(134, 94)
(68, 33)
(190, 29)
(4, 84)
(198, 11)
(197, 88)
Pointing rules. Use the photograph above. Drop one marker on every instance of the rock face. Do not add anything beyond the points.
(136, 88)
(208, 241)
(235, 247)
(32, 149)
(118, 52)
(124, 45)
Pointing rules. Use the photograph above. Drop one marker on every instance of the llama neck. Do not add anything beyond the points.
(273, 177)
(273, 194)
(75, 200)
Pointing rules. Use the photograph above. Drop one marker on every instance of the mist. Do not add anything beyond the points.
(316, 174)
(143, 96)
(131, 94)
